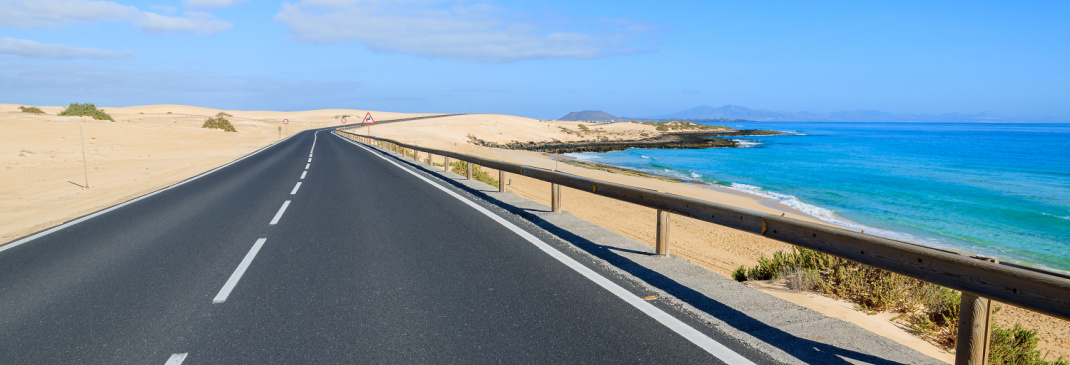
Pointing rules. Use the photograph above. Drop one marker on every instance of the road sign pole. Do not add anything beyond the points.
(85, 167)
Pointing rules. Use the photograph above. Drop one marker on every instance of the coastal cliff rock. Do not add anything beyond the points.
(671, 140)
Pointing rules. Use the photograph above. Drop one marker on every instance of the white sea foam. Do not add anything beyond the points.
(827, 215)
(645, 157)
(1057, 216)
(583, 156)
(695, 175)
(746, 143)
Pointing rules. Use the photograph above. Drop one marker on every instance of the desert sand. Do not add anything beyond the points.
(151, 147)
(145, 149)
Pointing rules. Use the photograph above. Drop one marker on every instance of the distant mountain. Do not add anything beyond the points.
(739, 112)
(590, 116)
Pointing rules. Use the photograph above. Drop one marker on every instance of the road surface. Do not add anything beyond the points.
(317, 250)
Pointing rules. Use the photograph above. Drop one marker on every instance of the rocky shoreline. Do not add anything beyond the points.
(668, 140)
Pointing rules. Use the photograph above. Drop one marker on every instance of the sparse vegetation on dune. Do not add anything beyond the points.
(31, 109)
(929, 310)
(219, 123)
(87, 109)
(223, 115)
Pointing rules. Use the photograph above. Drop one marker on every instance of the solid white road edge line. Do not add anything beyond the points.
(278, 215)
(298, 186)
(303, 174)
(698, 338)
(225, 291)
(131, 201)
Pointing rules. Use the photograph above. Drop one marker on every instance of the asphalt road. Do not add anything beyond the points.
(316, 250)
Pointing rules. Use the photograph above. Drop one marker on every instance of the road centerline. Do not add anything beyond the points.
(303, 173)
(307, 165)
(238, 272)
(298, 186)
(278, 215)
(176, 359)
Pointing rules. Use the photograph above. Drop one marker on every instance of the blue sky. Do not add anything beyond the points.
(541, 58)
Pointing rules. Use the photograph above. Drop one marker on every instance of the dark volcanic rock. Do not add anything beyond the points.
(666, 140)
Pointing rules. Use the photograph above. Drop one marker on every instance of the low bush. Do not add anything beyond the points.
(1017, 345)
(86, 109)
(932, 311)
(223, 114)
(461, 168)
(31, 109)
(583, 128)
(219, 123)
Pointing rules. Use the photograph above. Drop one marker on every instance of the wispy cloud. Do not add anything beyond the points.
(211, 4)
(469, 31)
(28, 48)
(55, 14)
(59, 13)
(192, 22)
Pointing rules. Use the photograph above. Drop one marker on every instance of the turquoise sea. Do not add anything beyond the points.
(997, 190)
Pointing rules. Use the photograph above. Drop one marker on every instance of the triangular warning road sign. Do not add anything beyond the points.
(368, 119)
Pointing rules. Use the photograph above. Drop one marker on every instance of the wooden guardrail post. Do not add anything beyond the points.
(975, 317)
(469, 164)
(662, 240)
(555, 198)
(501, 181)
(445, 163)
(975, 328)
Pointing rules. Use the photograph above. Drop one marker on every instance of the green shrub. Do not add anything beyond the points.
(86, 109)
(932, 311)
(740, 274)
(31, 109)
(583, 128)
(1017, 346)
(461, 168)
(219, 123)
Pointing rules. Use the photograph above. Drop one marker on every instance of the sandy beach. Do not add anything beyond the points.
(151, 147)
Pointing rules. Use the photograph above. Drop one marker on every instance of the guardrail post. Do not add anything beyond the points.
(662, 247)
(555, 198)
(415, 155)
(445, 163)
(469, 164)
(975, 316)
(501, 181)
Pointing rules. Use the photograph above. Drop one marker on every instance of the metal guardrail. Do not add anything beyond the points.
(415, 118)
(1029, 288)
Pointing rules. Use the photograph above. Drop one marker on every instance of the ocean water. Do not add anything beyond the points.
(997, 190)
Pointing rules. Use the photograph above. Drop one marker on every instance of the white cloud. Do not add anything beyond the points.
(59, 13)
(28, 48)
(195, 22)
(30, 14)
(472, 32)
(211, 4)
